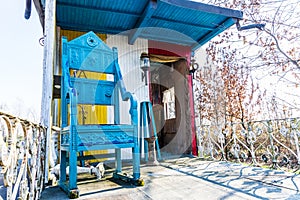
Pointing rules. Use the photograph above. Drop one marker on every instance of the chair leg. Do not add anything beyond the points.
(63, 166)
(82, 161)
(118, 160)
(136, 162)
(146, 152)
(73, 170)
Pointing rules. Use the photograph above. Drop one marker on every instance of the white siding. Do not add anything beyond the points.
(129, 61)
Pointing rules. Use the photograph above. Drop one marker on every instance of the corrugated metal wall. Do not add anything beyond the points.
(129, 61)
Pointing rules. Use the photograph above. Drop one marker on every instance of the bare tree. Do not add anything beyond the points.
(18, 108)
(245, 73)
(3, 106)
(253, 57)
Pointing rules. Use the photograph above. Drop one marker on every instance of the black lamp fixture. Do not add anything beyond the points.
(145, 66)
(193, 65)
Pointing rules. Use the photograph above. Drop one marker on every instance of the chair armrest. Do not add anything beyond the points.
(124, 93)
(133, 109)
(127, 95)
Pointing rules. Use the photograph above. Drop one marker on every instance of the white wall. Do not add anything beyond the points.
(129, 61)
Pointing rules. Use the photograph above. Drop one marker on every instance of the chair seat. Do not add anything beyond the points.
(97, 137)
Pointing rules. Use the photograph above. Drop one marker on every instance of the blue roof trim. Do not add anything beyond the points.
(229, 22)
(206, 8)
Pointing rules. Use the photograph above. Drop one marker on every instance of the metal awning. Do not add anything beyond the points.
(175, 21)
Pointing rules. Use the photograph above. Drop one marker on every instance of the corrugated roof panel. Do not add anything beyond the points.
(169, 35)
(188, 16)
(198, 21)
(128, 6)
(115, 6)
(191, 31)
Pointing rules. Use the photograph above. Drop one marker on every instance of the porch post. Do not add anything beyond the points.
(48, 62)
(192, 109)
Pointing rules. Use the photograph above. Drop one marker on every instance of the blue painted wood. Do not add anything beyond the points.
(147, 117)
(147, 19)
(154, 129)
(222, 27)
(89, 53)
(94, 92)
(147, 14)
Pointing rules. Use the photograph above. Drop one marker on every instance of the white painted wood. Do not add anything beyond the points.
(49, 58)
(129, 61)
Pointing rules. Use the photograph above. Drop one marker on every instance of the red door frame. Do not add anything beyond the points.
(167, 49)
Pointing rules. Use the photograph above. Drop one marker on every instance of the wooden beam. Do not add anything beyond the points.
(225, 25)
(48, 63)
(87, 28)
(206, 8)
(142, 22)
(175, 22)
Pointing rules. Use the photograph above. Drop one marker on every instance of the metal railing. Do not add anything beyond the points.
(271, 143)
(22, 157)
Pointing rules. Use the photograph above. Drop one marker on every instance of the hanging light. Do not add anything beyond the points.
(145, 66)
(193, 66)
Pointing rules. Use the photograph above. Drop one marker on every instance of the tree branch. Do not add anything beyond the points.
(281, 51)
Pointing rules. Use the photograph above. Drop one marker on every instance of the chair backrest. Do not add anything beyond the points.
(86, 54)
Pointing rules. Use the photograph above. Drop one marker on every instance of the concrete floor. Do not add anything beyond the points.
(191, 178)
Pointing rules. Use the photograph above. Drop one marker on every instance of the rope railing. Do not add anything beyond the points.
(22, 157)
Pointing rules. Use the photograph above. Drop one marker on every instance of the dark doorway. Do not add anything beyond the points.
(170, 99)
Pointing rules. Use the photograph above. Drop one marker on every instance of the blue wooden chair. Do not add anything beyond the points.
(90, 53)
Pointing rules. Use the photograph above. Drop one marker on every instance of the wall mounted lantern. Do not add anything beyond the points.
(193, 66)
(145, 66)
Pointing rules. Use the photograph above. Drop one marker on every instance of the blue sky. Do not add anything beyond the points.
(21, 57)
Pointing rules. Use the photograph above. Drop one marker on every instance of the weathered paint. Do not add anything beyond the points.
(48, 65)
(88, 114)
(76, 54)
(129, 61)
